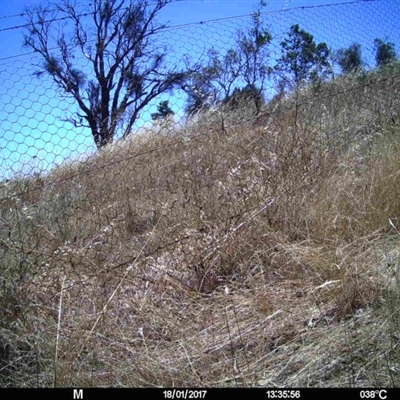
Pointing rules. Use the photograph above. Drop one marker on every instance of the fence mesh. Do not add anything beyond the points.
(189, 253)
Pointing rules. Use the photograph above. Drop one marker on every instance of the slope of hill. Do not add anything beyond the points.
(235, 251)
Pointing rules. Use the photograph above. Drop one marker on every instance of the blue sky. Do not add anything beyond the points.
(32, 135)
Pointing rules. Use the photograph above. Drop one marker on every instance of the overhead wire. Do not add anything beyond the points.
(55, 19)
(194, 23)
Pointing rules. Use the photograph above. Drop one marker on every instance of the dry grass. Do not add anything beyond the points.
(230, 252)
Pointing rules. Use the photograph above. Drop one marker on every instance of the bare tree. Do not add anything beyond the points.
(126, 66)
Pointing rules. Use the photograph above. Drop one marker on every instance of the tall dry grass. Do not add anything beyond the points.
(234, 251)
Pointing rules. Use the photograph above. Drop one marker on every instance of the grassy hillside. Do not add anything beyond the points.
(236, 251)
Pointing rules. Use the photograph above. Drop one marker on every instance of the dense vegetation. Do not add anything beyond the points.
(234, 251)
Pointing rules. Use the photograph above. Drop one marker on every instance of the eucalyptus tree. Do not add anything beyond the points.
(350, 58)
(385, 52)
(302, 59)
(125, 65)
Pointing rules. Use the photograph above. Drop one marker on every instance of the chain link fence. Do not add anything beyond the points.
(109, 258)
